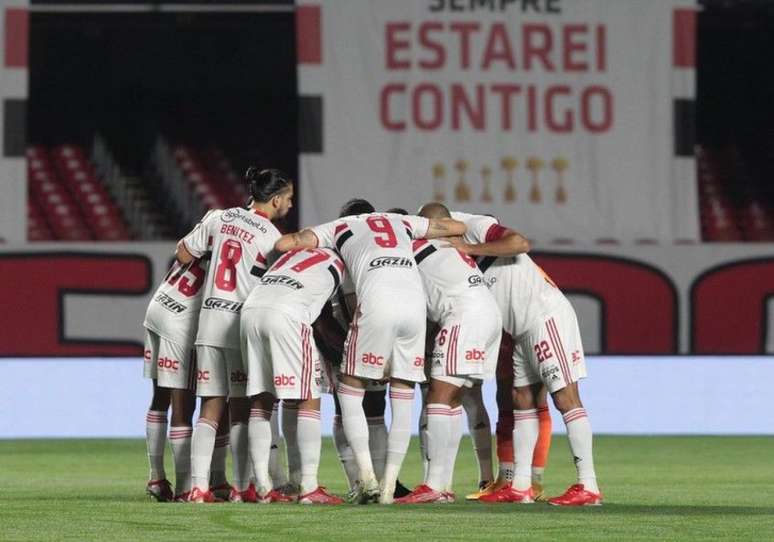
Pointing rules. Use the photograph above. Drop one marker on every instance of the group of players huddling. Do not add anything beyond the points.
(251, 318)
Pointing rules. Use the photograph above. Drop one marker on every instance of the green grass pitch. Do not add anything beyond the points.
(666, 488)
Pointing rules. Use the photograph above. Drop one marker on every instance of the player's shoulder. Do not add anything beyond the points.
(471, 217)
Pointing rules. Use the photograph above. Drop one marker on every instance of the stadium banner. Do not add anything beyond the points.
(89, 300)
(619, 396)
(570, 119)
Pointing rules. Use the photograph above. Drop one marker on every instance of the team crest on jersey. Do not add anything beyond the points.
(219, 304)
(168, 303)
(390, 261)
(282, 280)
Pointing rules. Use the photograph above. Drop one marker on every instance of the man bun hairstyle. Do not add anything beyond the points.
(356, 206)
(264, 184)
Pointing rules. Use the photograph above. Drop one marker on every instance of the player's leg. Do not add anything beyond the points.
(540, 457)
(180, 432)
(277, 467)
(289, 432)
(343, 449)
(361, 362)
(260, 440)
(374, 405)
(480, 430)
(212, 387)
(239, 410)
(158, 486)
(219, 484)
(424, 389)
(406, 368)
(504, 427)
(564, 340)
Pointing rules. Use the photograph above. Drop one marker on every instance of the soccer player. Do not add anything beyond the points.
(387, 335)
(242, 240)
(283, 362)
(170, 329)
(545, 330)
(464, 353)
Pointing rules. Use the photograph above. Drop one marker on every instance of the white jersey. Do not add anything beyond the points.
(451, 279)
(299, 283)
(173, 312)
(377, 249)
(242, 240)
(521, 288)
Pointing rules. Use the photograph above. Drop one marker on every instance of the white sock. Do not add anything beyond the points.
(239, 456)
(401, 406)
(525, 435)
(276, 458)
(218, 465)
(259, 444)
(344, 451)
(480, 430)
(580, 437)
(505, 471)
(309, 448)
(202, 451)
(155, 441)
(537, 474)
(455, 434)
(377, 444)
(289, 433)
(180, 442)
(438, 429)
(356, 428)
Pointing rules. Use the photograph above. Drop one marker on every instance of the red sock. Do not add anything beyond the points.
(504, 433)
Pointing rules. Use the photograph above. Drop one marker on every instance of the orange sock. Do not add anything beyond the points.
(540, 456)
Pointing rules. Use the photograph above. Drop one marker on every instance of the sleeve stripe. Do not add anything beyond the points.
(424, 253)
(340, 228)
(336, 276)
(343, 239)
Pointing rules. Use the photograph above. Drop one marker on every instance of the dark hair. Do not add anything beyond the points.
(356, 206)
(264, 184)
(398, 211)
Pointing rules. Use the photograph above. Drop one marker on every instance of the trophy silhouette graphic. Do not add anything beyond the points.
(486, 176)
(559, 165)
(509, 164)
(439, 176)
(534, 165)
(461, 189)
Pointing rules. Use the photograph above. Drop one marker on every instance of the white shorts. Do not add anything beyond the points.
(220, 372)
(281, 355)
(387, 339)
(551, 353)
(467, 345)
(171, 364)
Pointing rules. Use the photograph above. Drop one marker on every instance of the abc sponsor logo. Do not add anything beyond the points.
(373, 359)
(419, 361)
(238, 377)
(284, 381)
(474, 355)
(147, 355)
(390, 261)
(202, 376)
(166, 364)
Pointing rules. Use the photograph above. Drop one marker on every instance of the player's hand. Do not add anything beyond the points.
(456, 242)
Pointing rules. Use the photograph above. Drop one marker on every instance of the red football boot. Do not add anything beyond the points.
(319, 496)
(248, 495)
(422, 494)
(273, 496)
(577, 495)
(509, 494)
(161, 490)
(183, 497)
(201, 496)
(449, 497)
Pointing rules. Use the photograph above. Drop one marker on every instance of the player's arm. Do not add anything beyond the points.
(444, 227)
(302, 239)
(182, 254)
(502, 242)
